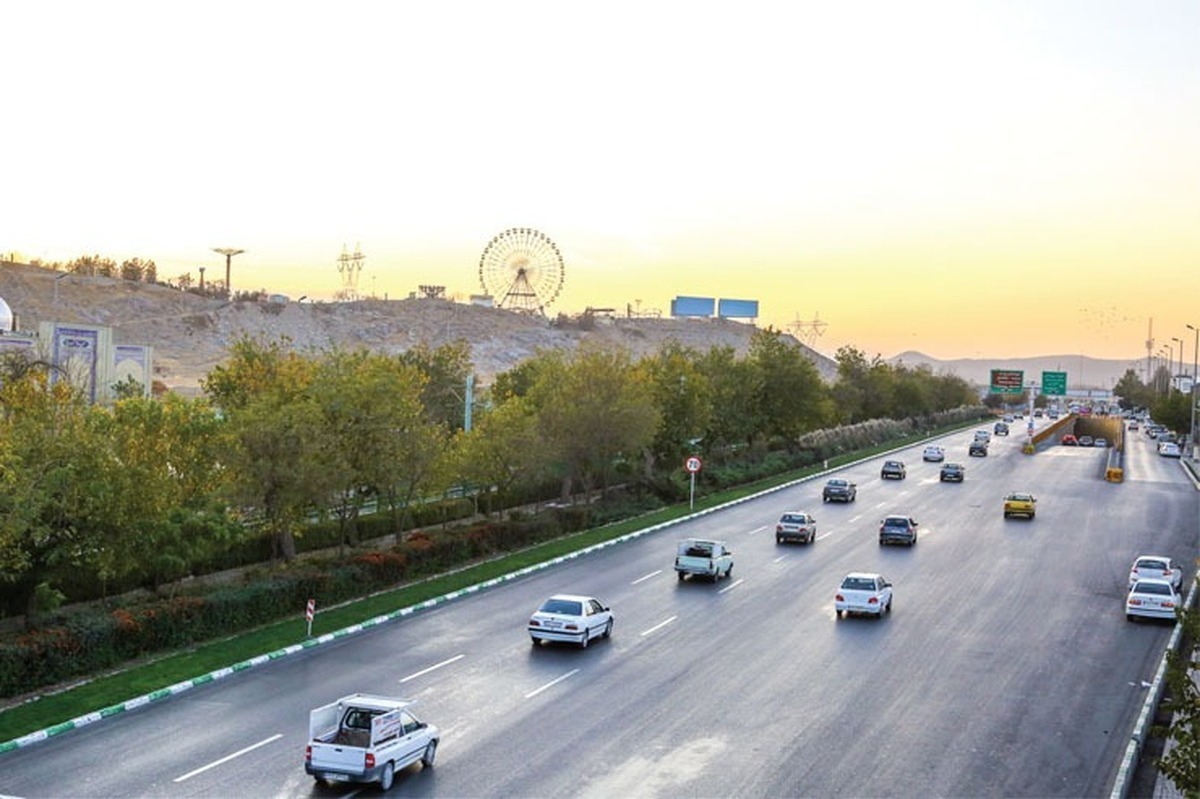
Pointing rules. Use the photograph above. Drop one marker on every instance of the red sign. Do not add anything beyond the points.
(692, 464)
(311, 609)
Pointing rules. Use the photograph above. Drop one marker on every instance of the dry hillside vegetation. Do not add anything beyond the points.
(191, 334)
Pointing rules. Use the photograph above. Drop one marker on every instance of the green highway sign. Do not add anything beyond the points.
(1007, 381)
(1054, 384)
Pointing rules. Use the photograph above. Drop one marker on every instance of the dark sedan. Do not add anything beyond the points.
(893, 470)
(839, 490)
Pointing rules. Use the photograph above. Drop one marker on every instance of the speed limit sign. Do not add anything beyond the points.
(692, 464)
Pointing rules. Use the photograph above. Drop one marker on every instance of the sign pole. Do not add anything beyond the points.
(309, 610)
(692, 465)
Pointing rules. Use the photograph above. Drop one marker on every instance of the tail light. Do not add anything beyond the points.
(534, 623)
(572, 627)
(308, 753)
(779, 528)
(370, 761)
(1134, 601)
(839, 598)
(873, 600)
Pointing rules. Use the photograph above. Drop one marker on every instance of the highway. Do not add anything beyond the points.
(1006, 669)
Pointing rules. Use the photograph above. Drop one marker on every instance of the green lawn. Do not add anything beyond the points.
(136, 680)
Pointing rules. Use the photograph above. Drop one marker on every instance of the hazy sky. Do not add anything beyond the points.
(969, 179)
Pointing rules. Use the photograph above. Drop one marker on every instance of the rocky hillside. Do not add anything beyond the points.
(191, 334)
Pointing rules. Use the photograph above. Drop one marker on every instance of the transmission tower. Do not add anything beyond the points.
(349, 267)
(809, 331)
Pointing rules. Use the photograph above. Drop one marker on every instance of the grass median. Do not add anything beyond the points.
(112, 689)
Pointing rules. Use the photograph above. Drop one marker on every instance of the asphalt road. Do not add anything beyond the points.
(1006, 669)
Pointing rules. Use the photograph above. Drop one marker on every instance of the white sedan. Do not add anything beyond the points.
(570, 618)
(1156, 567)
(863, 592)
(1153, 599)
(934, 453)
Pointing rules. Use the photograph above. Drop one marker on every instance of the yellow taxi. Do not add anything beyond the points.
(1019, 504)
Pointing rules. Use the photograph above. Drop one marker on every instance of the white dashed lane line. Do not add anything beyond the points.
(644, 578)
(658, 626)
(227, 758)
(551, 684)
(432, 668)
(731, 586)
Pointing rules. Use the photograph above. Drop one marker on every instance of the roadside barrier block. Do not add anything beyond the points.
(1114, 474)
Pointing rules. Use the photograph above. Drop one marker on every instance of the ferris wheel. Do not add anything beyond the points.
(523, 269)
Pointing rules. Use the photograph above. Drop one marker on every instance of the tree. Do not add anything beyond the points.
(371, 407)
(504, 449)
(278, 454)
(446, 370)
(1181, 762)
(594, 409)
(734, 384)
(682, 394)
(791, 398)
(47, 461)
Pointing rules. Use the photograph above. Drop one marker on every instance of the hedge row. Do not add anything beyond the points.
(85, 642)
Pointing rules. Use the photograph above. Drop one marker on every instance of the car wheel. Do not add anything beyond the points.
(583, 642)
(1130, 617)
(838, 613)
(881, 542)
(824, 498)
(1031, 516)
(608, 629)
(812, 537)
(430, 753)
(387, 777)
(680, 574)
(778, 539)
(889, 605)
(534, 640)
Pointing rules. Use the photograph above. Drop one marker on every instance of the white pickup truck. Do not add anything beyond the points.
(365, 738)
(703, 557)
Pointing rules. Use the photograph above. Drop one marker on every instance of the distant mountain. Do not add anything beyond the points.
(1082, 372)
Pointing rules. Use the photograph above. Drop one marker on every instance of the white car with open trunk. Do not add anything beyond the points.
(367, 738)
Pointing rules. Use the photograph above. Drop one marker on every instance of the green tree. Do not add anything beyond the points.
(46, 462)
(734, 385)
(503, 450)
(1181, 760)
(791, 398)
(595, 409)
(683, 396)
(446, 370)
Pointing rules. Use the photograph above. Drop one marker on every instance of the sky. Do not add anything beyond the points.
(964, 179)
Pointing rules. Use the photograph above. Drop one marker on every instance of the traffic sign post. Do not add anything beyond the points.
(309, 611)
(692, 465)
(1006, 381)
(1054, 384)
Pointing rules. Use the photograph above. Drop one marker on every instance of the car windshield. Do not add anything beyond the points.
(837, 483)
(858, 584)
(895, 522)
(1151, 564)
(792, 518)
(1152, 588)
(565, 607)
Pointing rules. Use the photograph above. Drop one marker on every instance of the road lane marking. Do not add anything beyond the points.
(551, 684)
(227, 758)
(659, 626)
(731, 586)
(853, 519)
(431, 668)
(647, 577)
(758, 529)
(781, 557)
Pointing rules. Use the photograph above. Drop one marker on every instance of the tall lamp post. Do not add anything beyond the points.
(228, 252)
(1177, 338)
(1192, 395)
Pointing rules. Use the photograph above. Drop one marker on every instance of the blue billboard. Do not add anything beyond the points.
(737, 309)
(692, 306)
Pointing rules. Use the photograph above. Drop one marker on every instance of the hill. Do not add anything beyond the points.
(1082, 372)
(191, 334)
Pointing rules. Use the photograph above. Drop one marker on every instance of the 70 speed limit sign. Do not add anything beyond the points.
(692, 465)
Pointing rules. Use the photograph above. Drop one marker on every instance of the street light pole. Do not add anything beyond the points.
(228, 252)
(1192, 395)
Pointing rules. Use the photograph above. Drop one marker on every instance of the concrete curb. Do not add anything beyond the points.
(222, 673)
